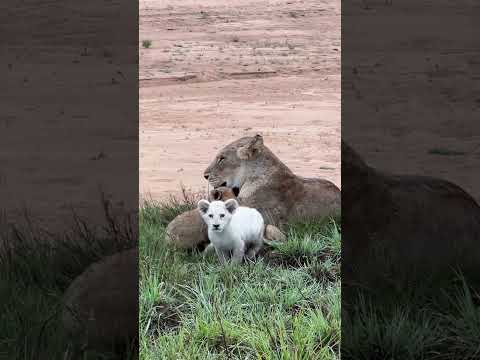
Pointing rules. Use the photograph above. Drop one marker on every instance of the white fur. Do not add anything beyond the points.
(238, 233)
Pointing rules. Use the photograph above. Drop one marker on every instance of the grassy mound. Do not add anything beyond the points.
(285, 305)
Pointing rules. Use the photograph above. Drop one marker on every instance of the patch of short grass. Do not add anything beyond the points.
(445, 152)
(310, 242)
(432, 320)
(277, 307)
(147, 44)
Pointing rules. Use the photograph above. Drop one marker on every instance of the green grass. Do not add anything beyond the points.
(445, 152)
(146, 44)
(442, 323)
(285, 305)
(36, 267)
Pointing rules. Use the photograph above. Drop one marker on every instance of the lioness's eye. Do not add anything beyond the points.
(210, 215)
(220, 159)
(222, 215)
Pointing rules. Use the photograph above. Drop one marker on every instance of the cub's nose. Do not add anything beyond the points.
(206, 176)
(215, 226)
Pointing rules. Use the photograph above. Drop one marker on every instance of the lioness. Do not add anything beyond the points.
(268, 185)
(406, 223)
(264, 183)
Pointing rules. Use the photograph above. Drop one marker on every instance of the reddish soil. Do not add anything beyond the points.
(215, 72)
(419, 93)
(65, 79)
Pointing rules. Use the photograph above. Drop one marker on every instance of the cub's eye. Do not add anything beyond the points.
(222, 216)
(220, 159)
(210, 215)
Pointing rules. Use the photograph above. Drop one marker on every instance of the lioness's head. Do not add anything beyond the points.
(233, 163)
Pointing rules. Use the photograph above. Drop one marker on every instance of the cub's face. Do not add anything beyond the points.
(217, 214)
(232, 163)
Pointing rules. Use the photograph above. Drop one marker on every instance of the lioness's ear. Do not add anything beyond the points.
(231, 205)
(250, 150)
(203, 206)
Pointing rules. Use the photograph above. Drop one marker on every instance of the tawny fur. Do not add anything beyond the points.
(187, 231)
(267, 184)
(424, 222)
(100, 306)
(264, 183)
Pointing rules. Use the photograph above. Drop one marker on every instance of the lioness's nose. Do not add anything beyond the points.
(215, 226)
(206, 175)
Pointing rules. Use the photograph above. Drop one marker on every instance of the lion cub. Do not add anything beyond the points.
(232, 229)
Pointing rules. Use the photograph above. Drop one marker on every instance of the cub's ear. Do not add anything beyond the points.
(226, 193)
(215, 195)
(231, 205)
(203, 206)
(252, 149)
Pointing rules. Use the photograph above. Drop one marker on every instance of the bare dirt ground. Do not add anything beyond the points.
(420, 92)
(68, 80)
(216, 71)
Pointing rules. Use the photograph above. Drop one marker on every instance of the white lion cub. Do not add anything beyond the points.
(232, 229)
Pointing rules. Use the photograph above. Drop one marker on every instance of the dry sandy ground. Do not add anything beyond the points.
(217, 71)
(419, 95)
(61, 102)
